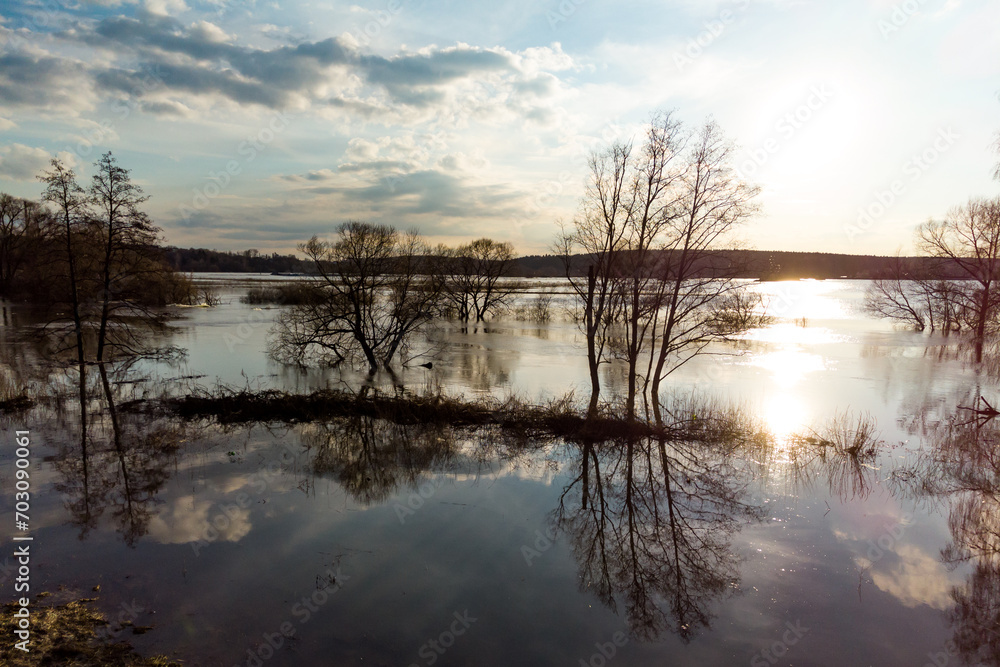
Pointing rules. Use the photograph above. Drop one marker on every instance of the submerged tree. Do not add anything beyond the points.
(376, 287)
(701, 299)
(67, 231)
(650, 228)
(476, 288)
(902, 294)
(969, 237)
(98, 263)
(598, 233)
(126, 256)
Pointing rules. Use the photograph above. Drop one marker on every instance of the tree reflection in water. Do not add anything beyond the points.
(121, 460)
(651, 524)
(372, 458)
(962, 469)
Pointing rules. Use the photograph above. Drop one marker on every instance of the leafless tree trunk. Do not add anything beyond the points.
(697, 303)
(598, 233)
(126, 235)
(70, 202)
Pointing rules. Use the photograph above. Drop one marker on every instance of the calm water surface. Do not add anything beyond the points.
(375, 544)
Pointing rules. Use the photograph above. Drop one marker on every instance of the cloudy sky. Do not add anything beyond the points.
(258, 124)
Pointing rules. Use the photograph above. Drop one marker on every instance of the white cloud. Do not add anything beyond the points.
(210, 32)
(188, 520)
(916, 579)
(165, 7)
(22, 163)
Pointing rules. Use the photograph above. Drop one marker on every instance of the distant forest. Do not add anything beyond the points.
(763, 264)
(200, 260)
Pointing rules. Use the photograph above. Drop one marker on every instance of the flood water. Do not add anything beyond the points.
(359, 542)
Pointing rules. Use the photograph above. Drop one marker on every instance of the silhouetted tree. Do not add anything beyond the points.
(475, 285)
(126, 254)
(67, 229)
(375, 288)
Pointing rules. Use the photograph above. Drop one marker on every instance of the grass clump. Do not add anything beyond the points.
(293, 294)
(12, 396)
(67, 635)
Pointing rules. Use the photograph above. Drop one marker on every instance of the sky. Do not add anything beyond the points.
(259, 124)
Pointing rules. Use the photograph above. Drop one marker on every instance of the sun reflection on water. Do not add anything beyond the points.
(789, 366)
(785, 354)
(785, 415)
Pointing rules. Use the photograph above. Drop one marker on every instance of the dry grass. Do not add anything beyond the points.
(66, 635)
(855, 437)
(12, 396)
(557, 418)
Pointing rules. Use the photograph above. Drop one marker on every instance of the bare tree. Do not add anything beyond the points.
(904, 294)
(598, 232)
(476, 287)
(375, 288)
(697, 280)
(127, 239)
(650, 227)
(970, 238)
(653, 203)
(67, 230)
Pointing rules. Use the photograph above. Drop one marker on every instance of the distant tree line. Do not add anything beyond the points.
(200, 260)
(760, 264)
